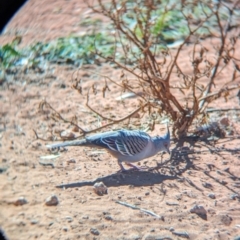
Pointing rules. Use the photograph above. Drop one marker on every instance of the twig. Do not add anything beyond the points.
(85, 132)
(46, 164)
(37, 137)
(58, 115)
(113, 121)
(220, 52)
(222, 110)
(141, 209)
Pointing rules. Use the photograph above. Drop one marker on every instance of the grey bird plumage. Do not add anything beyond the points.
(125, 145)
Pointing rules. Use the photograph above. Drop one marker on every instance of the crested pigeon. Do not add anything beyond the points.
(125, 145)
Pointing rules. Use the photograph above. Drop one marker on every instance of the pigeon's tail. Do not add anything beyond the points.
(82, 142)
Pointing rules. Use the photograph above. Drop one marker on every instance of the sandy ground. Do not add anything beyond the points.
(209, 177)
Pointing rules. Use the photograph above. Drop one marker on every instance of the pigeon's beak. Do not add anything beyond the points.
(168, 151)
(167, 148)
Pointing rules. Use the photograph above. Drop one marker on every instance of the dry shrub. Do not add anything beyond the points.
(157, 69)
(153, 67)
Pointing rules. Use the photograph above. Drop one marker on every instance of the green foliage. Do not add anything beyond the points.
(73, 50)
(168, 22)
(9, 54)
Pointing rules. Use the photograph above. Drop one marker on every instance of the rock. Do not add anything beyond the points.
(34, 221)
(99, 188)
(200, 211)
(71, 161)
(67, 135)
(65, 229)
(94, 231)
(50, 224)
(69, 219)
(3, 169)
(21, 201)
(212, 195)
(225, 122)
(172, 203)
(52, 201)
(234, 196)
(226, 220)
(181, 234)
(108, 217)
(207, 185)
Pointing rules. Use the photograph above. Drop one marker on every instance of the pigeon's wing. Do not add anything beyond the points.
(127, 143)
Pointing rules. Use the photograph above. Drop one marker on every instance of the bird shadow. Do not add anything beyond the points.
(135, 178)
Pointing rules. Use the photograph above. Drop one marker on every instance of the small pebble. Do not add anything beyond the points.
(71, 161)
(100, 188)
(68, 218)
(225, 121)
(181, 234)
(224, 162)
(21, 201)
(200, 211)
(94, 231)
(3, 169)
(172, 203)
(212, 195)
(34, 221)
(207, 185)
(66, 135)
(65, 229)
(234, 196)
(226, 220)
(52, 201)
(108, 217)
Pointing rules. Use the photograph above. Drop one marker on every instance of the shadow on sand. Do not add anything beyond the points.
(136, 178)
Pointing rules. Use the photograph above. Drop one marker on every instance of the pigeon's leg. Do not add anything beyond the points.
(133, 167)
(121, 166)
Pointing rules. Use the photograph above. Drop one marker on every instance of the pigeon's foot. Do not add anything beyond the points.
(135, 168)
